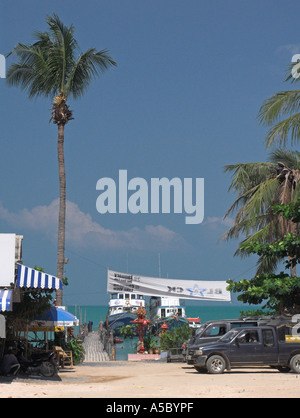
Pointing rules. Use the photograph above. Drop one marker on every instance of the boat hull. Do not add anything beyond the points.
(115, 322)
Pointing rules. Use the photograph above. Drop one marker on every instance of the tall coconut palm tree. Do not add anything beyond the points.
(50, 68)
(259, 186)
(282, 113)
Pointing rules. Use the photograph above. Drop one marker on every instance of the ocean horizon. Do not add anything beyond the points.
(205, 312)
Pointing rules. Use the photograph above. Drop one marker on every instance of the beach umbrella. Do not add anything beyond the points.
(56, 317)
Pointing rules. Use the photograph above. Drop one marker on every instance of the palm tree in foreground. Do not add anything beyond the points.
(50, 68)
(260, 186)
(282, 113)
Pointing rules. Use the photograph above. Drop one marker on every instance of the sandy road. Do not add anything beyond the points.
(154, 380)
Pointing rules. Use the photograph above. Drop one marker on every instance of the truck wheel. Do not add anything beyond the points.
(295, 363)
(216, 365)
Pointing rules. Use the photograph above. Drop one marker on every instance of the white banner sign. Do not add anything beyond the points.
(154, 286)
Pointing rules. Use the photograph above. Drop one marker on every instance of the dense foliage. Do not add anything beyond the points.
(175, 337)
(77, 349)
(280, 292)
(127, 331)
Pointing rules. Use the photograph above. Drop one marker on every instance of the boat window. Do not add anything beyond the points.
(140, 297)
(133, 296)
(114, 296)
(163, 313)
(121, 296)
(127, 296)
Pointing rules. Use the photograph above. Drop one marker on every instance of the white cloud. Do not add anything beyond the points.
(82, 231)
(216, 222)
(291, 48)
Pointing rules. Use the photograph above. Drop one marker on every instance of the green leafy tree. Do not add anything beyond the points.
(75, 345)
(150, 341)
(51, 67)
(260, 186)
(127, 331)
(290, 211)
(280, 292)
(175, 337)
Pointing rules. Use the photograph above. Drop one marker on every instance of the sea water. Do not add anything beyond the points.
(96, 314)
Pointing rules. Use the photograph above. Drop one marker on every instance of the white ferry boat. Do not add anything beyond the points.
(167, 310)
(122, 309)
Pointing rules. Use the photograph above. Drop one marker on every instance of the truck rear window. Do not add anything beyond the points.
(243, 324)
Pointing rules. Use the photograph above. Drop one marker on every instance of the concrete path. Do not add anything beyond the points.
(94, 350)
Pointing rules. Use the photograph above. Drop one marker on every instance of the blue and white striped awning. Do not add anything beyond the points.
(5, 300)
(31, 278)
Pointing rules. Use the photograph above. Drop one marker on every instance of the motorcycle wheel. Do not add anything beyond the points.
(48, 369)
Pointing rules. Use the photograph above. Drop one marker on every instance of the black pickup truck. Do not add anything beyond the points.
(213, 330)
(247, 347)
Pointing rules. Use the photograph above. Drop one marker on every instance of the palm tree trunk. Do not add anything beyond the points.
(62, 212)
(291, 229)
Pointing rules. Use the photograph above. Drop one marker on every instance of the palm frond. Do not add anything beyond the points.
(49, 66)
(90, 64)
(249, 226)
(259, 186)
(248, 180)
(282, 130)
(279, 105)
(32, 71)
(267, 264)
(289, 158)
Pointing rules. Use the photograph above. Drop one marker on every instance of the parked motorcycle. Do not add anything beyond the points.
(40, 364)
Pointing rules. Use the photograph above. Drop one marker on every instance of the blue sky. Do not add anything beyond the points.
(183, 102)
